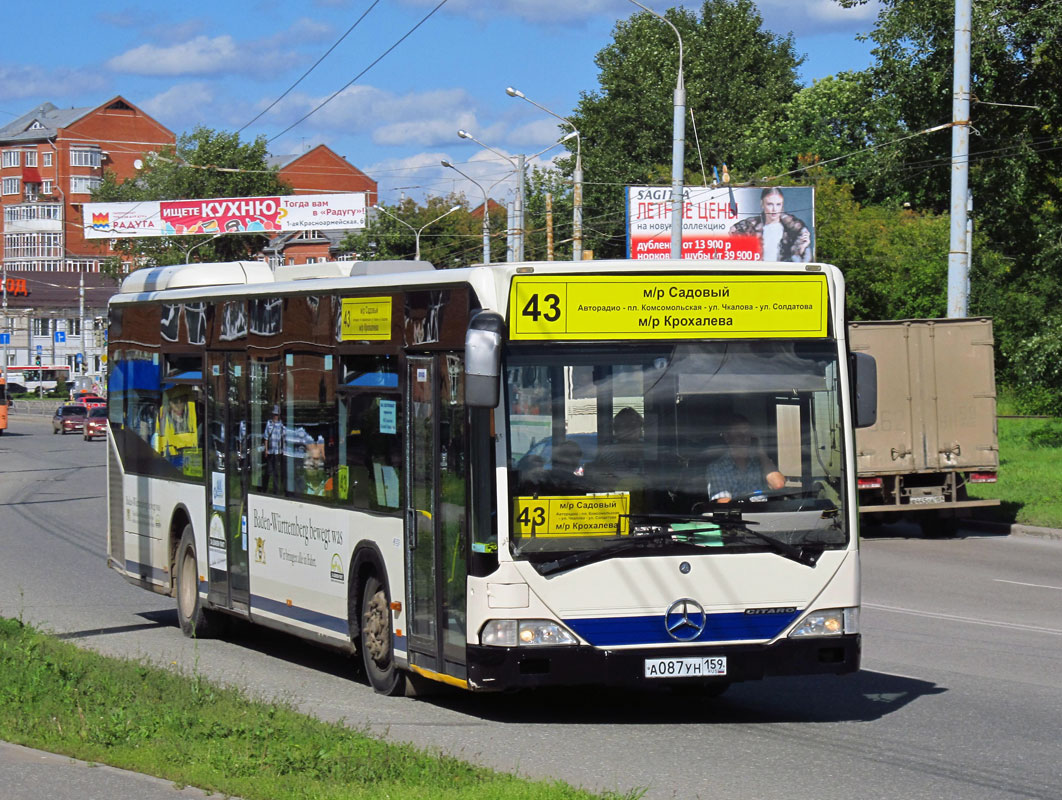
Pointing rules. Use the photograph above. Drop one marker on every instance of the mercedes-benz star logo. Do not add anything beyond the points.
(685, 619)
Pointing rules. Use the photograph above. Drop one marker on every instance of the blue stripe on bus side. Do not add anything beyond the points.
(649, 630)
(299, 614)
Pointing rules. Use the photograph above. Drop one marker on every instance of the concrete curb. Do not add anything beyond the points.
(30, 774)
(1015, 529)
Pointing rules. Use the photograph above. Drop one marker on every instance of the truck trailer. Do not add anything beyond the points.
(936, 427)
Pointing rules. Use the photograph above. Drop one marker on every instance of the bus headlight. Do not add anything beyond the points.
(829, 622)
(523, 633)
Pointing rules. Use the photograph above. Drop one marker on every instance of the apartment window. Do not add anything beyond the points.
(84, 158)
(12, 185)
(47, 159)
(31, 158)
(82, 184)
(73, 327)
(11, 158)
(33, 245)
(42, 326)
(46, 187)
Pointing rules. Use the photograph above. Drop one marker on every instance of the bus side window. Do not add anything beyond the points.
(370, 441)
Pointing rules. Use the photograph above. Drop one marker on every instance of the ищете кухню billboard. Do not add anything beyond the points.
(739, 223)
(218, 215)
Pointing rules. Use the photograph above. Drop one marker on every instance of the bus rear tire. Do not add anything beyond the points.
(194, 619)
(376, 639)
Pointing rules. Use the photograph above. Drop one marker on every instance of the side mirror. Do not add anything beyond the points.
(865, 389)
(483, 351)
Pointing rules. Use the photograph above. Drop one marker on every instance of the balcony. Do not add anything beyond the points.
(37, 217)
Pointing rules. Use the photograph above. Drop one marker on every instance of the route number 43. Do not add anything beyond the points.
(531, 518)
(548, 308)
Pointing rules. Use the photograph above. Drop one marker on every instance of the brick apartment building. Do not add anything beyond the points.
(317, 171)
(51, 159)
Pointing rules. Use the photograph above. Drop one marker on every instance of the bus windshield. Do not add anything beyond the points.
(731, 445)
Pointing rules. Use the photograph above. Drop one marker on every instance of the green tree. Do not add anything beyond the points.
(736, 73)
(455, 240)
(1015, 172)
(205, 163)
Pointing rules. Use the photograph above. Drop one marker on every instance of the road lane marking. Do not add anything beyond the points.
(971, 620)
(1033, 585)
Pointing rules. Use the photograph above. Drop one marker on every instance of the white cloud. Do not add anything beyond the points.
(198, 56)
(809, 17)
(419, 119)
(184, 102)
(203, 55)
(52, 84)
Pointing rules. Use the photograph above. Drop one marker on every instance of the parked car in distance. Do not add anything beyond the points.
(68, 419)
(89, 399)
(96, 423)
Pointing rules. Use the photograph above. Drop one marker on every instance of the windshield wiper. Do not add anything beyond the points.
(806, 555)
(628, 542)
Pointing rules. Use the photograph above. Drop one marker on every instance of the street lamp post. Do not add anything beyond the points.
(416, 231)
(486, 200)
(518, 165)
(678, 145)
(521, 159)
(577, 176)
(188, 252)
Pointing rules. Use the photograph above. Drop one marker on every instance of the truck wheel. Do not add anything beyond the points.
(195, 621)
(376, 651)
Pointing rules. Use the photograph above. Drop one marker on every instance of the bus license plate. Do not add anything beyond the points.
(700, 667)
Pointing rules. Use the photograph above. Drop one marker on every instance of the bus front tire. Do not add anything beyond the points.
(376, 651)
(195, 621)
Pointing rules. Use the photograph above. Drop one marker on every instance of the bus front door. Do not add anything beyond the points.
(437, 513)
(228, 457)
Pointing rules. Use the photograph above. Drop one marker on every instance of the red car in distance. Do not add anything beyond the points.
(96, 423)
(69, 418)
(89, 400)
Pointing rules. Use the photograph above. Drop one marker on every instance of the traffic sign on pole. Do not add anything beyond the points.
(5, 338)
(60, 337)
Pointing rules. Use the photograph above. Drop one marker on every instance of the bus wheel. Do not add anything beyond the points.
(194, 620)
(376, 649)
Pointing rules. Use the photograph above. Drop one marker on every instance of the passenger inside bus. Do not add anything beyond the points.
(177, 438)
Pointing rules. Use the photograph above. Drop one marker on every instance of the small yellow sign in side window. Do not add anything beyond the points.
(578, 515)
(595, 307)
(365, 319)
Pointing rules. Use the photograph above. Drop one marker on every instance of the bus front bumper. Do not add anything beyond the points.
(507, 668)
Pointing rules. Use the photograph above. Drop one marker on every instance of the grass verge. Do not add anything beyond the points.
(1030, 472)
(56, 697)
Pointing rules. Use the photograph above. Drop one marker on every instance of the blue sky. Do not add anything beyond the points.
(220, 64)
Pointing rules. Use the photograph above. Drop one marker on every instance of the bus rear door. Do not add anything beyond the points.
(227, 476)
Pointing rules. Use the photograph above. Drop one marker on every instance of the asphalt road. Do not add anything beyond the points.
(960, 695)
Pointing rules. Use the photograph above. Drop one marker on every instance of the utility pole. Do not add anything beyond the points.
(958, 253)
(520, 230)
(81, 318)
(549, 227)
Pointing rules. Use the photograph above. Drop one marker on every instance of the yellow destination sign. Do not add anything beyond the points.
(587, 307)
(579, 515)
(366, 318)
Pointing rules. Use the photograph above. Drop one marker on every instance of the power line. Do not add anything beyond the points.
(356, 77)
(311, 69)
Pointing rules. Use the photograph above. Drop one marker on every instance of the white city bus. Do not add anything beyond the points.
(498, 477)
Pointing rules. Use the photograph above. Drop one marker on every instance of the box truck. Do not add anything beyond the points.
(936, 427)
